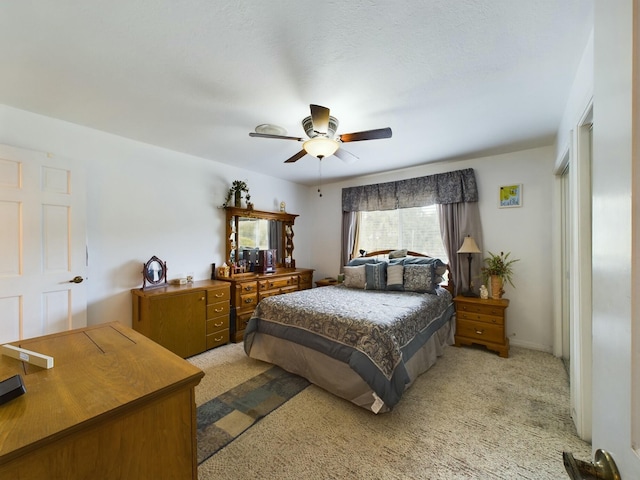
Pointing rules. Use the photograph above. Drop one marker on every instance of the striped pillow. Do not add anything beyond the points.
(376, 276)
(395, 277)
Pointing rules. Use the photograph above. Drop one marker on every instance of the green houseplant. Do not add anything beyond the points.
(235, 192)
(498, 269)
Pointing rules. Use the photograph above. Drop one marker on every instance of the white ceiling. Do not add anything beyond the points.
(453, 79)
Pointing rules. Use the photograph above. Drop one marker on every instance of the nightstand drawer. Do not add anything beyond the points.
(478, 317)
(480, 331)
(481, 309)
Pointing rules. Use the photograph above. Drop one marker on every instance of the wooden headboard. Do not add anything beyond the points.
(385, 253)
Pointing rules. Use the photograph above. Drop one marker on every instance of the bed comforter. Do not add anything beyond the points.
(375, 332)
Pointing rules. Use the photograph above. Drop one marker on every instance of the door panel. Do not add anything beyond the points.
(42, 244)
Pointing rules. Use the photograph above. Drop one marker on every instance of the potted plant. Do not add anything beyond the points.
(235, 192)
(498, 269)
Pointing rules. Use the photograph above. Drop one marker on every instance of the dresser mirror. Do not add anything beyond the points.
(259, 230)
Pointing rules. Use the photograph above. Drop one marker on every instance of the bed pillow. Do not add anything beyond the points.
(355, 277)
(375, 276)
(420, 278)
(439, 265)
(354, 262)
(398, 254)
(395, 277)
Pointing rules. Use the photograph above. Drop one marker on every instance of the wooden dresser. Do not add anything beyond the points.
(115, 405)
(482, 322)
(186, 319)
(248, 289)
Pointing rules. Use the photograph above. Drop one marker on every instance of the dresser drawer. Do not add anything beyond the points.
(218, 309)
(247, 287)
(242, 319)
(305, 280)
(218, 338)
(218, 295)
(278, 291)
(278, 282)
(481, 331)
(217, 324)
(479, 317)
(248, 301)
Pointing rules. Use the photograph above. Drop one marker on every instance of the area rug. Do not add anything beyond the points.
(225, 417)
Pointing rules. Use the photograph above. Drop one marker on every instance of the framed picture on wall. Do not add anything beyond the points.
(510, 196)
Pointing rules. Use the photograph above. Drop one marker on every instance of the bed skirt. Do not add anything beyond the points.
(336, 376)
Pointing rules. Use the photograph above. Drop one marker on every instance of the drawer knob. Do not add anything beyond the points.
(218, 309)
(218, 324)
(479, 332)
(221, 294)
(217, 339)
(248, 300)
(201, 298)
(248, 288)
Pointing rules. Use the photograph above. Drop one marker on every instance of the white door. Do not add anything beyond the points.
(42, 244)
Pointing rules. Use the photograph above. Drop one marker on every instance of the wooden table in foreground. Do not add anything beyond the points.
(115, 405)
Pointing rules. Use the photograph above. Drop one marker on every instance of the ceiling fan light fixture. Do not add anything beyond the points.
(270, 129)
(320, 147)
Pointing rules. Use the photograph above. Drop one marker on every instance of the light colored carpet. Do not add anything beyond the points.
(473, 415)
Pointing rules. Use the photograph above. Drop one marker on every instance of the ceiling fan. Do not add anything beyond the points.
(321, 128)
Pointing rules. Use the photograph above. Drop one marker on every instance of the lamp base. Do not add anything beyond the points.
(469, 293)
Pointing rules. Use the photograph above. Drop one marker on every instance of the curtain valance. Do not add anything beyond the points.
(443, 188)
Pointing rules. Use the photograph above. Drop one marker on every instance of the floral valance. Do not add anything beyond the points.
(451, 187)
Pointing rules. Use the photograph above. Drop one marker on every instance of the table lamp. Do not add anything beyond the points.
(469, 246)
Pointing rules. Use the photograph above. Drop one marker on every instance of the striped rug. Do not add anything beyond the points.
(224, 418)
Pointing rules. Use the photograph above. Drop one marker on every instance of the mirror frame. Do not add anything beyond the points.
(148, 273)
(233, 215)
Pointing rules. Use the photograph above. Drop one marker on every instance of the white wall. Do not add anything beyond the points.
(143, 201)
(525, 231)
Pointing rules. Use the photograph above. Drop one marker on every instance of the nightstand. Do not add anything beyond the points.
(325, 282)
(482, 322)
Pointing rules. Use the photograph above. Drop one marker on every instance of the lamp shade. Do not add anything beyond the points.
(469, 246)
(320, 147)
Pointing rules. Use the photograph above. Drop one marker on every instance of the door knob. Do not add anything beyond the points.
(603, 467)
(76, 279)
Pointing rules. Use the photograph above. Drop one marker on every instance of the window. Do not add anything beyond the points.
(416, 229)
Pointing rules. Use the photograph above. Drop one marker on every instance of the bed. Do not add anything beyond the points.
(367, 339)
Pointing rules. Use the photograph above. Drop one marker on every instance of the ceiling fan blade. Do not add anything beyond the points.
(296, 157)
(319, 118)
(281, 137)
(346, 157)
(366, 135)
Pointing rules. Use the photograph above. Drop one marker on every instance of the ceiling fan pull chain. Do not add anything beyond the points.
(320, 176)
